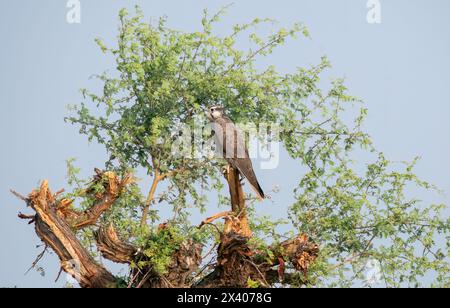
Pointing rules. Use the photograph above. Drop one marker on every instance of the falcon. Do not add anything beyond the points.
(230, 142)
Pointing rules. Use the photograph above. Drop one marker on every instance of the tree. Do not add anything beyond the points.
(347, 213)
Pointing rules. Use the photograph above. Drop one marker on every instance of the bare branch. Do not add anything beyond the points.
(19, 195)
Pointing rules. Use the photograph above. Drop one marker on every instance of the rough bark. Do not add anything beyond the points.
(238, 262)
(56, 233)
(112, 248)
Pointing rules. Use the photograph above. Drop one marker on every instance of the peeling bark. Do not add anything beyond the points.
(112, 248)
(54, 231)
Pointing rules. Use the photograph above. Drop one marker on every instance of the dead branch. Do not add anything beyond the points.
(112, 189)
(237, 261)
(54, 231)
(37, 260)
(211, 219)
(112, 248)
(300, 252)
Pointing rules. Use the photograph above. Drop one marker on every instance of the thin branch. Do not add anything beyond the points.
(168, 282)
(144, 279)
(133, 279)
(211, 219)
(151, 195)
(202, 271)
(210, 251)
(181, 170)
(254, 54)
(15, 193)
(259, 271)
(354, 256)
(38, 258)
(32, 218)
(59, 274)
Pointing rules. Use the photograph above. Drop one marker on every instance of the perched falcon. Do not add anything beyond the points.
(230, 142)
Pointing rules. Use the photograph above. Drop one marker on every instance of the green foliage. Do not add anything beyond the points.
(158, 247)
(252, 284)
(356, 211)
(370, 217)
(124, 213)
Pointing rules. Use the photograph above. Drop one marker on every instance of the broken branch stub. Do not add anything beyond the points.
(112, 188)
(54, 231)
(112, 248)
(56, 223)
(239, 223)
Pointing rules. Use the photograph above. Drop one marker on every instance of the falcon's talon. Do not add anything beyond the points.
(225, 170)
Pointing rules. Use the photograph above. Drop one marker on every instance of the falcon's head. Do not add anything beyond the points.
(215, 112)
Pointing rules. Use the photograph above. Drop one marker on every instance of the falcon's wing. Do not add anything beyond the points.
(230, 140)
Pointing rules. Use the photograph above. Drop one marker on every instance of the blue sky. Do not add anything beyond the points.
(400, 68)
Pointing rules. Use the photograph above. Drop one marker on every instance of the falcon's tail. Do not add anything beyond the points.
(254, 184)
(258, 190)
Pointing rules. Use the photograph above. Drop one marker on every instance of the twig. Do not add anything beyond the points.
(157, 178)
(144, 279)
(259, 271)
(210, 251)
(15, 193)
(216, 227)
(59, 192)
(133, 279)
(202, 270)
(168, 282)
(38, 258)
(32, 218)
(214, 218)
(59, 274)
(253, 54)
(354, 257)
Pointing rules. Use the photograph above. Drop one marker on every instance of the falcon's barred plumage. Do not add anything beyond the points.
(230, 141)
